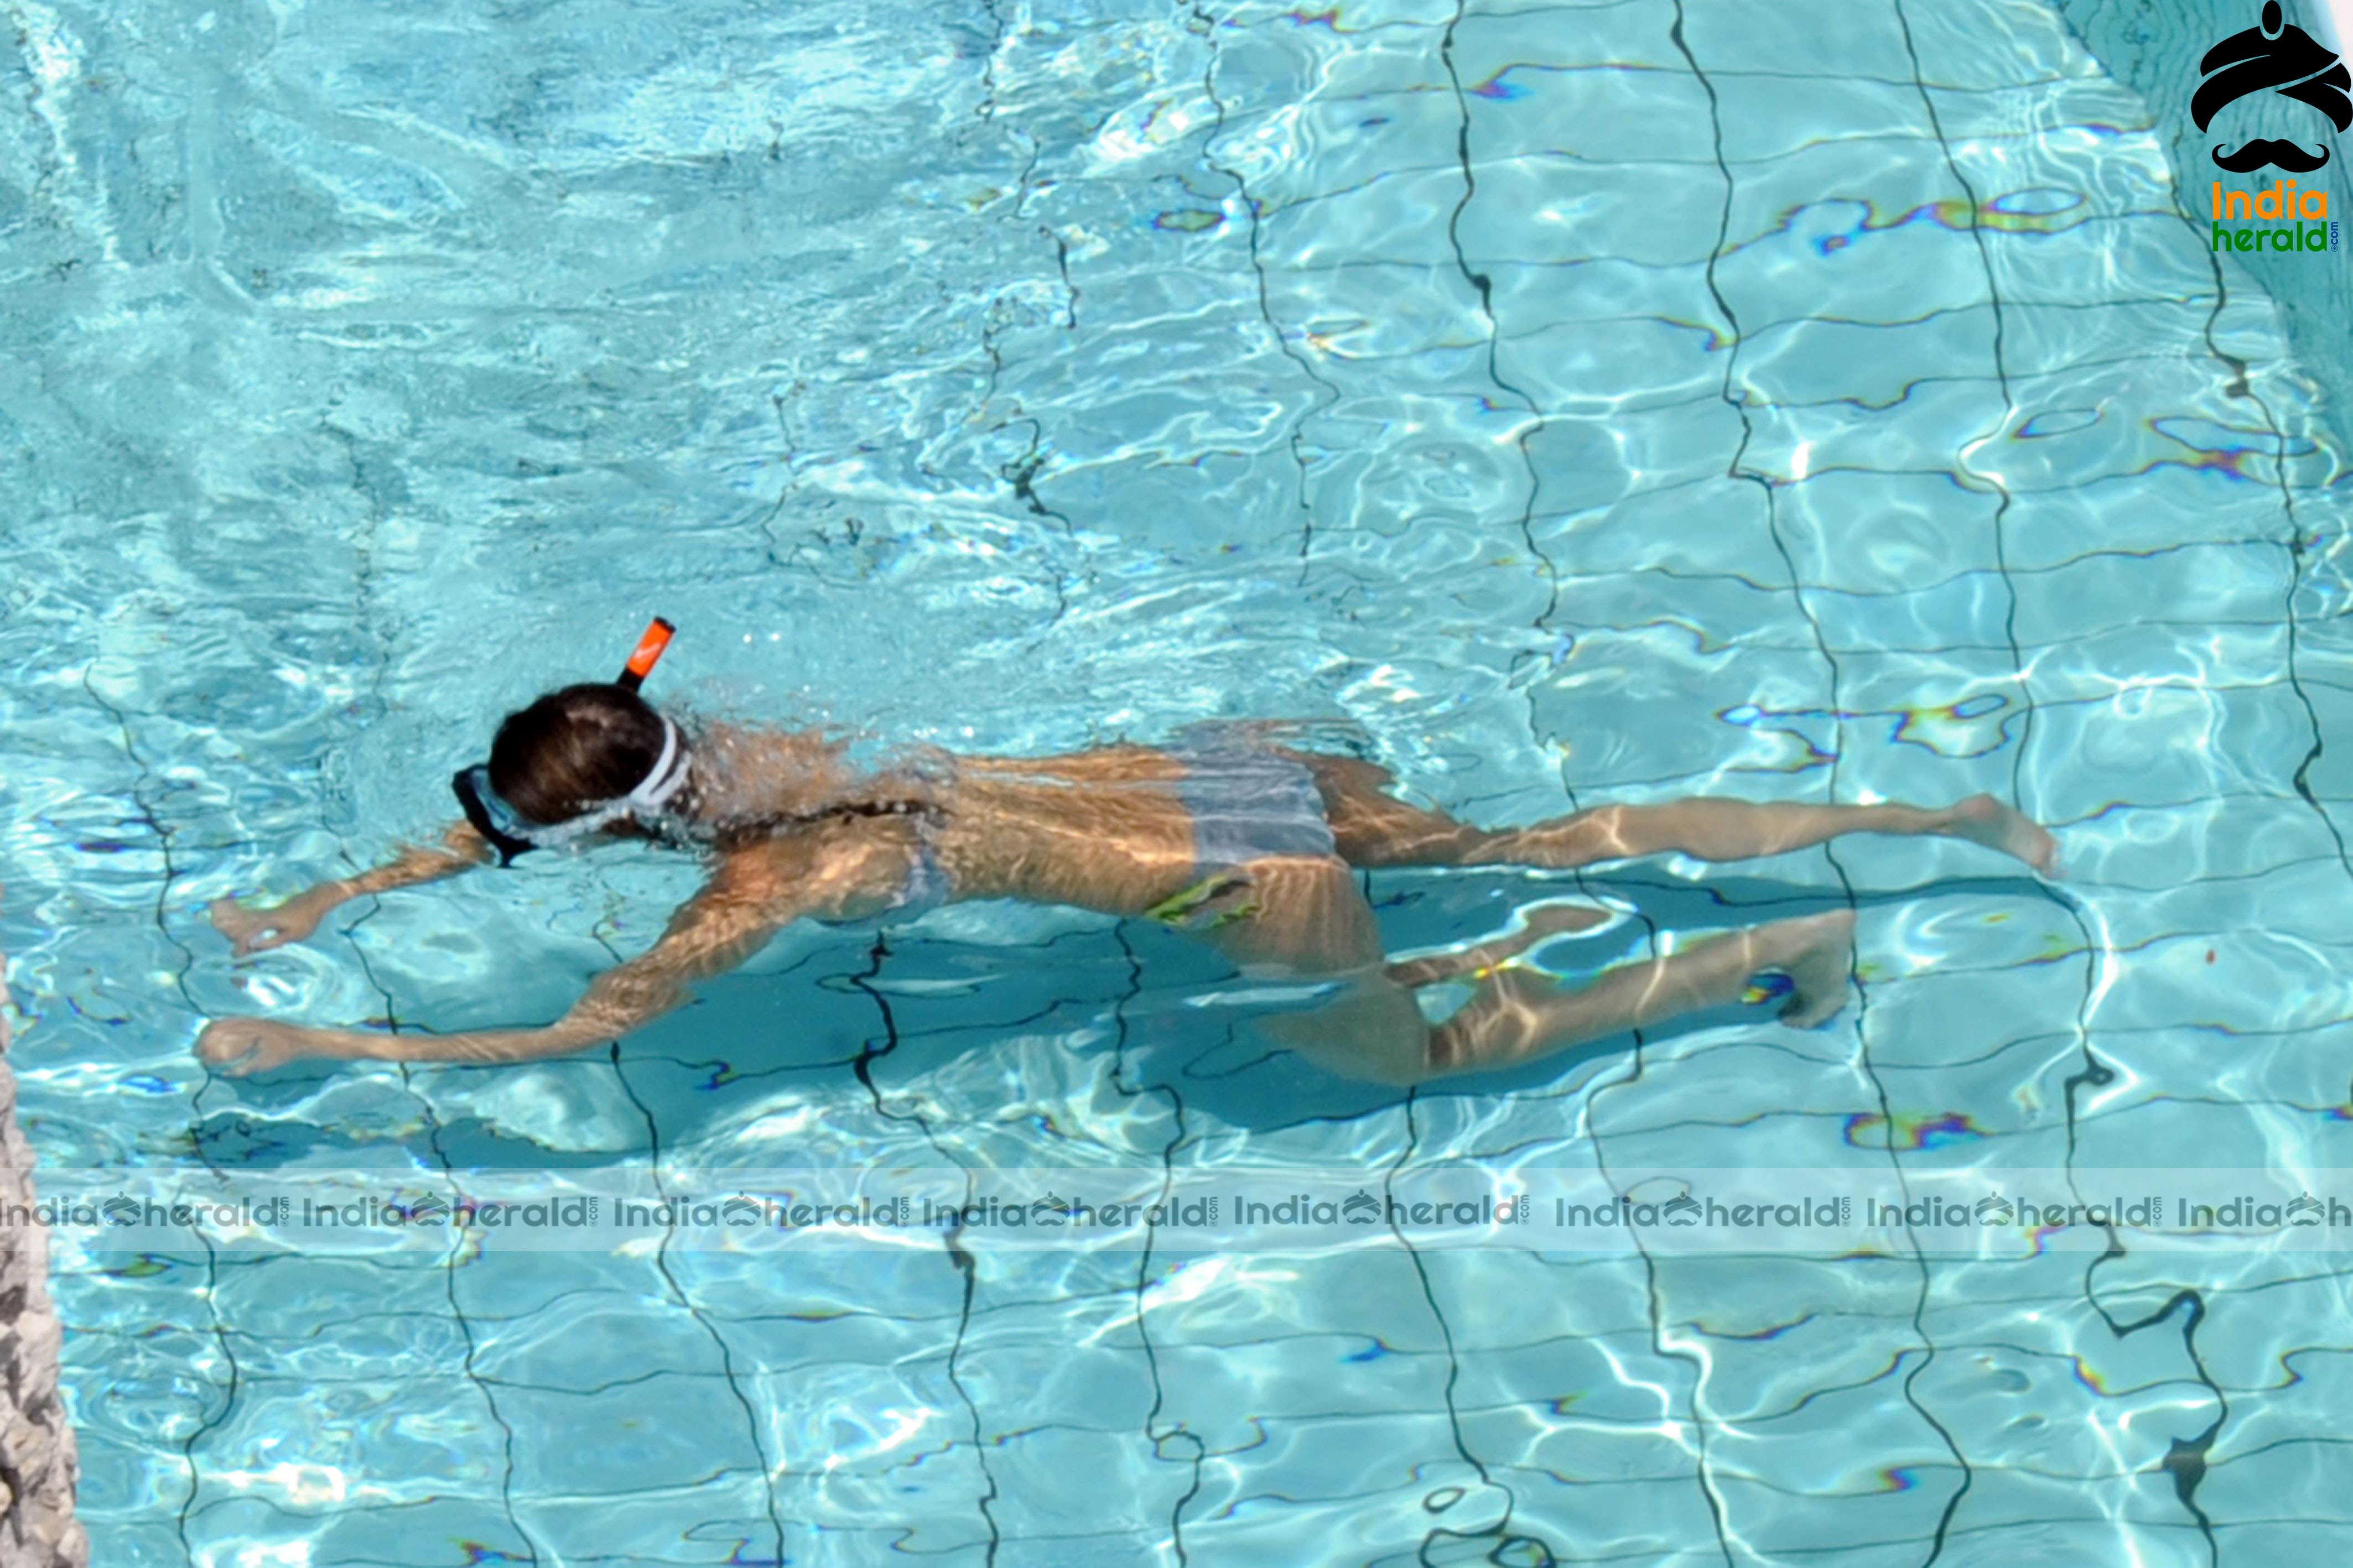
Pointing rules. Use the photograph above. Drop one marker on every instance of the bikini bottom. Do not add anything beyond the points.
(1246, 804)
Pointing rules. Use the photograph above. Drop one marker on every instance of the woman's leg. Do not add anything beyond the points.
(1374, 830)
(1520, 1014)
(1710, 829)
(1309, 920)
(1536, 924)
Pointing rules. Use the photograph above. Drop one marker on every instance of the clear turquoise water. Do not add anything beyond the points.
(1590, 410)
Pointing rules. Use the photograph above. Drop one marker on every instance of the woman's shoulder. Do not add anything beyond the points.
(823, 864)
(742, 773)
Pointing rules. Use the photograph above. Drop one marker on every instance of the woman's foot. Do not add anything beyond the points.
(1982, 819)
(1818, 952)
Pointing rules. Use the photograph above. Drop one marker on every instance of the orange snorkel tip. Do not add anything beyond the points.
(648, 654)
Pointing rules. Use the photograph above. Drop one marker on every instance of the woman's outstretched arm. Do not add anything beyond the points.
(710, 933)
(754, 894)
(252, 930)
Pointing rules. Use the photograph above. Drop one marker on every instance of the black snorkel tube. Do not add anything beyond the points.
(496, 821)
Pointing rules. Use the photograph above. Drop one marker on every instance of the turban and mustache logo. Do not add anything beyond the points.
(2287, 60)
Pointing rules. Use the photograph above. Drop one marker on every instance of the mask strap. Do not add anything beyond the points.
(653, 792)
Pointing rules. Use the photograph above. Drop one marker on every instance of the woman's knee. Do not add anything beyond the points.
(1373, 1032)
(1564, 843)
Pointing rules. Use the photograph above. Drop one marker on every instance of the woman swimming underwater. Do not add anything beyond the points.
(1253, 845)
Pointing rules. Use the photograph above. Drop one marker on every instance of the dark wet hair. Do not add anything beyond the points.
(575, 748)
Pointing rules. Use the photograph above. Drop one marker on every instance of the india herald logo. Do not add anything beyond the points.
(2287, 60)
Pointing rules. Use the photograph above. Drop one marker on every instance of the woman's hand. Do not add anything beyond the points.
(258, 931)
(746, 901)
(238, 1047)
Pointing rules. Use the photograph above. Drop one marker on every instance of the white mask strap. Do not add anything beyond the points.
(653, 792)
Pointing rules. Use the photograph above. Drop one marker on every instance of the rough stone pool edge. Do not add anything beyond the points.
(39, 1464)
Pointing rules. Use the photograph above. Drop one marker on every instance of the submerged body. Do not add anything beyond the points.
(1248, 844)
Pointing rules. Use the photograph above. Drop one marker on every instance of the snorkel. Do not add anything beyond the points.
(648, 654)
(511, 835)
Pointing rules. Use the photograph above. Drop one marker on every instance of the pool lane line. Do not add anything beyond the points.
(1206, 28)
(449, 1262)
(1831, 662)
(148, 818)
(1160, 1437)
(951, 1236)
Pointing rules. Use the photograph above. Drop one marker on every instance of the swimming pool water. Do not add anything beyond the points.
(1592, 401)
